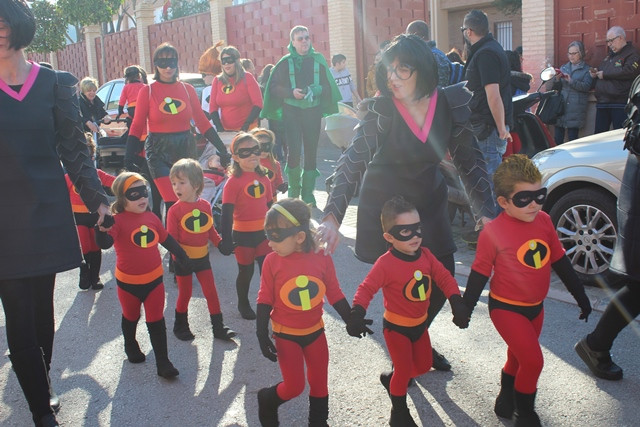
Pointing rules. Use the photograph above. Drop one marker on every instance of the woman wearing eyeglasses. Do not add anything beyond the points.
(236, 98)
(166, 107)
(574, 81)
(405, 134)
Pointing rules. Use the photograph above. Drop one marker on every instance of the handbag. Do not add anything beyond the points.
(551, 108)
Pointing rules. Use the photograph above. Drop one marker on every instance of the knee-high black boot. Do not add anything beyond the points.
(245, 272)
(524, 414)
(181, 327)
(85, 279)
(400, 415)
(268, 403)
(95, 262)
(318, 411)
(504, 401)
(32, 375)
(158, 335)
(131, 346)
(220, 330)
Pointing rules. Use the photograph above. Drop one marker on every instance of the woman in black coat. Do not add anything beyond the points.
(91, 107)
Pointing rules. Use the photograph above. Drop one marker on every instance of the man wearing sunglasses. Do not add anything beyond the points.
(300, 91)
(613, 80)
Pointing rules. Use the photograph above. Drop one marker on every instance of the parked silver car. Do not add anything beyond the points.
(583, 178)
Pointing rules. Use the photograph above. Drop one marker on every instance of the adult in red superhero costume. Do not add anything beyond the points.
(294, 283)
(398, 145)
(520, 246)
(165, 108)
(40, 127)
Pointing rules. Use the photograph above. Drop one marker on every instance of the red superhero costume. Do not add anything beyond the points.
(235, 100)
(406, 282)
(129, 97)
(295, 286)
(274, 173)
(191, 224)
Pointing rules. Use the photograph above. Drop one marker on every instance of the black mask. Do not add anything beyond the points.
(245, 153)
(523, 198)
(406, 232)
(136, 193)
(166, 62)
(279, 234)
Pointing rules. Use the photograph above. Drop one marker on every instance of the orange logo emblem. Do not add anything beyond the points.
(418, 288)
(534, 254)
(302, 292)
(144, 237)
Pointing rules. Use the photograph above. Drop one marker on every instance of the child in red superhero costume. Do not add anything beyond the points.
(245, 200)
(135, 236)
(406, 274)
(520, 246)
(85, 220)
(267, 139)
(129, 95)
(191, 222)
(294, 283)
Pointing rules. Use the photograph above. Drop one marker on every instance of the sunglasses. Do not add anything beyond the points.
(279, 234)
(303, 38)
(523, 198)
(406, 232)
(228, 60)
(245, 153)
(266, 146)
(136, 193)
(166, 62)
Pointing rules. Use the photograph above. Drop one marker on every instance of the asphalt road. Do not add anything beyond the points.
(218, 381)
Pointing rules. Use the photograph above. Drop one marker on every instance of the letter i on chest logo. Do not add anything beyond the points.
(305, 298)
(144, 237)
(418, 288)
(196, 220)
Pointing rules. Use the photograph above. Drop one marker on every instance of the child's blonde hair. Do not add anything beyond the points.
(190, 169)
(91, 144)
(514, 169)
(266, 135)
(392, 208)
(290, 211)
(120, 186)
(241, 137)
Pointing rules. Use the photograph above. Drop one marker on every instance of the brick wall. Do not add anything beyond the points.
(73, 58)
(190, 35)
(120, 48)
(38, 57)
(260, 30)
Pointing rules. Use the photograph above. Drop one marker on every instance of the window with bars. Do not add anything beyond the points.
(504, 34)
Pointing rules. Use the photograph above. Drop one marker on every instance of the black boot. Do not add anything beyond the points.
(85, 279)
(400, 415)
(31, 371)
(181, 327)
(504, 401)
(54, 400)
(524, 414)
(318, 411)
(221, 331)
(158, 335)
(131, 346)
(599, 362)
(48, 420)
(439, 362)
(385, 379)
(243, 281)
(95, 262)
(268, 403)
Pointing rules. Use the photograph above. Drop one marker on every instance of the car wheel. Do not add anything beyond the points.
(585, 220)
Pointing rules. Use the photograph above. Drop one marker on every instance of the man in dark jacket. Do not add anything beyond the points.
(613, 80)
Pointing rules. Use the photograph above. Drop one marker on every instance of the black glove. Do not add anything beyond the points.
(357, 324)
(283, 187)
(262, 331)
(567, 274)
(461, 313)
(585, 307)
(120, 111)
(225, 159)
(253, 115)
(214, 116)
(185, 264)
(225, 247)
(343, 309)
(103, 239)
(108, 221)
(131, 158)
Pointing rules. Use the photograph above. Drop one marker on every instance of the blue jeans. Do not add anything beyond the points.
(560, 131)
(492, 149)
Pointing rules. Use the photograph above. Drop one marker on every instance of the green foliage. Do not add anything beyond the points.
(510, 7)
(88, 12)
(180, 8)
(50, 27)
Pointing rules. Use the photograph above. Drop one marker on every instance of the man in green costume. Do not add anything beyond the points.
(299, 92)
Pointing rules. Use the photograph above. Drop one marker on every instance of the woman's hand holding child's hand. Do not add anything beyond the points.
(357, 326)
(461, 313)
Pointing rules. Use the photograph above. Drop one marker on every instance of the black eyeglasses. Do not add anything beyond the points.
(245, 153)
(136, 193)
(166, 62)
(402, 71)
(266, 146)
(279, 234)
(609, 41)
(523, 198)
(463, 29)
(227, 60)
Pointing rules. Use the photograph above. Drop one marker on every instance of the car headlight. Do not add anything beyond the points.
(540, 158)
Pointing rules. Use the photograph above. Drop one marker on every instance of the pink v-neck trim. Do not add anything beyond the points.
(24, 90)
(421, 134)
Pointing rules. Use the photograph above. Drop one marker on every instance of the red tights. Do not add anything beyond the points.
(153, 304)
(524, 355)
(292, 358)
(208, 284)
(410, 359)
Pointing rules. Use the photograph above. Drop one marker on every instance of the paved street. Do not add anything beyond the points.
(218, 381)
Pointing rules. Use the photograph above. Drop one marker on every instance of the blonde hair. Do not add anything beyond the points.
(514, 169)
(190, 169)
(263, 133)
(87, 84)
(118, 190)
(88, 137)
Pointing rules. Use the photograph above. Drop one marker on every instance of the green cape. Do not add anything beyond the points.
(272, 106)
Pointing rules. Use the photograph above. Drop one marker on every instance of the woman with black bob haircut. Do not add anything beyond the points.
(398, 145)
(166, 107)
(41, 128)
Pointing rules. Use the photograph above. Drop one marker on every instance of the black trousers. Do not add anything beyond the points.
(302, 127)
(623, 308)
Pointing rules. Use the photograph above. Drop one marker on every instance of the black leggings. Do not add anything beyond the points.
(28, 309)
(438, 299)
(623, 308)
(302, 126)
